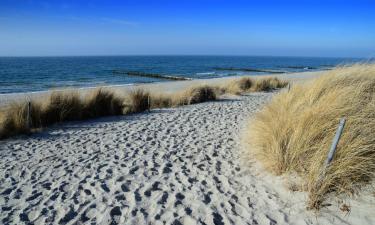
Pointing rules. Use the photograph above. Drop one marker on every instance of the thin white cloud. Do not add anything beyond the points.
(119, 21)
(103, 20)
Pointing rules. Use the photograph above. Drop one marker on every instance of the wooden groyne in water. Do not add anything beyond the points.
(151, 75)
(248, 70)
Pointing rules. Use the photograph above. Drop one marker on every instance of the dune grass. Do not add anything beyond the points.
(138, 100)
(238, 86)
(247, 84)
(294, 131)
(60, 107)
(192, 95)
(13, 119)
(159, 100)
(71, 106)
(268, 84)
(198, 94)
(101, 102)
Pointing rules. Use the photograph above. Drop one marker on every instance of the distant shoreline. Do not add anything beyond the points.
(166, 86)
(25, 74)
(184, 55)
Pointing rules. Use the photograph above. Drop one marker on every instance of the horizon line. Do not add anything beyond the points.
(179, 55)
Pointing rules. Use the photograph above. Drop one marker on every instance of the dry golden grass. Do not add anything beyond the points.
(193, 95)
(69, 106)
(198, 94)
(268, 84)
(102, 102)
(138, 100)
(294, 132)
(238, 86)
(61, 107)
(13, 120)
(247, 84)
(58, 107)
(159, 100)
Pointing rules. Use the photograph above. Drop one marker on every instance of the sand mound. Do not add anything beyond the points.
(294, 132)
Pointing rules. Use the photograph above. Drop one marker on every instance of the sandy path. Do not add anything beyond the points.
(170, 166)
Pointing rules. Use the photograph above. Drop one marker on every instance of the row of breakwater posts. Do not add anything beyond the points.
(169, 77)
(249, 70)
(150, 75)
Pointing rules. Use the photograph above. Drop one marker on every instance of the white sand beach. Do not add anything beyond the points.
(168, 166)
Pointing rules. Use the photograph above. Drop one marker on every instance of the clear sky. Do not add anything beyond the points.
(187, 27)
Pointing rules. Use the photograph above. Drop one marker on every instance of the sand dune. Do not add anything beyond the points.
(169, 166)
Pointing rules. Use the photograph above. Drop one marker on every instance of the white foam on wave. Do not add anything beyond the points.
(206, 73)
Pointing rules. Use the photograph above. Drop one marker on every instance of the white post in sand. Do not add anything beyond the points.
(332, 150)
(335, 141)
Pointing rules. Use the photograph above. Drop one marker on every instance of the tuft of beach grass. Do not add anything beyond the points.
(61, 107)
(199, 94)
(101, 102)
(137, 100)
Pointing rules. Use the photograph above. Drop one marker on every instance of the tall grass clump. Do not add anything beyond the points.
(268, 84)
(247, 84)
(58, 107)
(294, 131)
(193, 95)
(196, 95)
(100, 103)
(61, 107)
(161, 101)
(137, 101)
(239, 86)
(13, 119)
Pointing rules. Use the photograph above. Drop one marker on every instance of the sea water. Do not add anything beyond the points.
(30, 74)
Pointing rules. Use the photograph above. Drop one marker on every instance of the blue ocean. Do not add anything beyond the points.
(30, 74)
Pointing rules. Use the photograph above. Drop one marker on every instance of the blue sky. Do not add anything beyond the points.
(209, 27)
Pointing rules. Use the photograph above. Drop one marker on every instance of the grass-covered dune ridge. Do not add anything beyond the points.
(71, 106)
(293, 133)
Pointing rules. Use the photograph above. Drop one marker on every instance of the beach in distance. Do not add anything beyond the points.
(201, 151)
